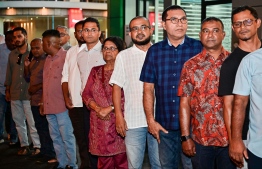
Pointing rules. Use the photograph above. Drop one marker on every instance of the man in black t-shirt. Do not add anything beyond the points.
(245, 23)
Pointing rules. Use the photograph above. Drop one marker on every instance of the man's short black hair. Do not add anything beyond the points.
(212, 19)
(10, 32)
(79, 23)
(51, 33)
(244, 8)
(172, 7)
(20, 29)
(90, 19)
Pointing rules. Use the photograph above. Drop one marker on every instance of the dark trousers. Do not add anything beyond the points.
(254, 162)
(41, 124)
(211, 157)
(80, 118)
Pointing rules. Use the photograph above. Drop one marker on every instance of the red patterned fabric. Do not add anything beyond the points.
(199, 80)
(103, 138)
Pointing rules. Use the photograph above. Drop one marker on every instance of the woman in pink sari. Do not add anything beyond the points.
(97, 96)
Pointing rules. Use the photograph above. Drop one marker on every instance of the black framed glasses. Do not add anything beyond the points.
(19, 58)
(247, 22)
(176, 20)
(86, 30)
(112, 49)
(137, 28)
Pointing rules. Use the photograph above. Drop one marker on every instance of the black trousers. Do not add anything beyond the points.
(80, 118)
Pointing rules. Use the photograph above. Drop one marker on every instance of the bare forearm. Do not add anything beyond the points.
(117, 99)
(238, 116)
(184, 115)
(148, 101)
(94, 106)
(227, 112)
(65, 90)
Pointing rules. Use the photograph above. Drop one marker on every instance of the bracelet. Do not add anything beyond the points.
(112, 106)
(39, 104)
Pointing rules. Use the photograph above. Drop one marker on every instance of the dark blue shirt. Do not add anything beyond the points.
(162, 66)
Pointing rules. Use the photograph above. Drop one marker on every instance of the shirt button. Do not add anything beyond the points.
(175, 49)
(174, 61)
(174, 74)
(174, 86)
(174, 101)
(174, 115)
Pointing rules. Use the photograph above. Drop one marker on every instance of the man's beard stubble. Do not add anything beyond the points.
(141, 43)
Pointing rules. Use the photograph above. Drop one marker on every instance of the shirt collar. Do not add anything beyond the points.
(59, 53)
(137, 49)
(97, 47)
(223, 55)
(169, 43)
(27, 49)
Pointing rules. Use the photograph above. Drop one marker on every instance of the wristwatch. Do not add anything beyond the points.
(184, 138)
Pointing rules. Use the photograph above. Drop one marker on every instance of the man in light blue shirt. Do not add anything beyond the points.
(248, 86)
(5, 49)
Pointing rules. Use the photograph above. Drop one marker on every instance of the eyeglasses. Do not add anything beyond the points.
(137, 28)
(86, 30)
(63, 34)
(112, 49)
(176, 20)
(247, 22)
(19, 58)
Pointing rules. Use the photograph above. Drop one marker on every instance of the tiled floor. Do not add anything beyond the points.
(10, 160)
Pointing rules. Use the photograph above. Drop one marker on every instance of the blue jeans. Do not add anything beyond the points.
(135, 148)
(211, 157)
(170, 149)
(3, 105)
(41, 125)
(21, 112)
(61, 131)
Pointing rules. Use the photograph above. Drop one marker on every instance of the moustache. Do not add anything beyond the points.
(140, 35)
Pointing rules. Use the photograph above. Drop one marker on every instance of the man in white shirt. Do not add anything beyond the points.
(91, 56)
(133, 126)
(71, 85)
(87, 58)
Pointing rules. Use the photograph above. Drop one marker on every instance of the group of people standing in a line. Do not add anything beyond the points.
(192, 103)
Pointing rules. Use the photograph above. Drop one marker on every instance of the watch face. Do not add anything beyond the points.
(184, 138)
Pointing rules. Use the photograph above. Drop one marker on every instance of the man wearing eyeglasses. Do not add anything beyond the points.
(64, 37)
(133, 125)
(17, 92)
(245, 24)
(88, 58)
(71, 85)
(160, 74)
